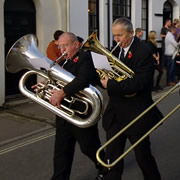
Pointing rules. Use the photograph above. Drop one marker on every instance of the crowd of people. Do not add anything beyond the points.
(130, 95)
(170, 34)
(168, 56)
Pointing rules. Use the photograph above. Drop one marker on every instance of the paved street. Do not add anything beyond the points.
(27, 138)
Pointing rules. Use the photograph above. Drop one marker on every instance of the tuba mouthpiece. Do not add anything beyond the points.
(54, 62)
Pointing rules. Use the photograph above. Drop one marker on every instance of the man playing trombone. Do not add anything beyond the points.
(127, 99)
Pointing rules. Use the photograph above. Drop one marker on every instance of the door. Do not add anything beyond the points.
(19, 20)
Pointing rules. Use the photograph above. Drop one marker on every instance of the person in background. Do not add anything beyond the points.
(164, 31)
(53, 51)
(165, 28)
(177, 59)
(176, 24)
(128, 99)
(80, 40)
(170, 48)
(156, 57)
(139, 33)
(178, 69)
(80, 64)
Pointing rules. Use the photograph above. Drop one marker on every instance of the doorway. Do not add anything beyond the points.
(19, 20)
(167, 11)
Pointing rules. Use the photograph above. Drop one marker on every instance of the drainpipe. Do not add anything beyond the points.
(108, 23)
(68, 15)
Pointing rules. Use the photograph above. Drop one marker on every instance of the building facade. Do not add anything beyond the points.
(82, 17)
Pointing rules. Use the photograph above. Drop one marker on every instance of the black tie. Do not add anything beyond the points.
(122, 54)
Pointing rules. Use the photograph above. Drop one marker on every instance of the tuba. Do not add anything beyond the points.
(119, 70)
(24, 55)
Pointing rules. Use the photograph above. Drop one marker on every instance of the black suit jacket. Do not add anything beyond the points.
(81, 66)
(125, 109)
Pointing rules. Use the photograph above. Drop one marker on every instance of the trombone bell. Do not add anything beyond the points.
(120, 70)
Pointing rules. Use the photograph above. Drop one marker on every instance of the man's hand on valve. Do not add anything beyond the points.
(57, 97)
(35, 87)
(104, 81)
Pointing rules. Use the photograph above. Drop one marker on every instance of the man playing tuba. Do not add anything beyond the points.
(80, 64)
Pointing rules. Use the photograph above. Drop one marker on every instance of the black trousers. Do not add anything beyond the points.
(142, 151)
(65, 140)
(159, 68)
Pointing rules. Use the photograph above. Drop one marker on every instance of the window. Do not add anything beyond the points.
(93, 15)
(144, 17)
(121, 8)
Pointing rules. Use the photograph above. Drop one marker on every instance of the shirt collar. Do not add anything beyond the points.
(127, 48)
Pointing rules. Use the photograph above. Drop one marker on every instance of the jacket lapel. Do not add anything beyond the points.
(129, 55)
(131, 52)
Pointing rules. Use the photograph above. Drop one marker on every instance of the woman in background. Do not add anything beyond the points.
(157, 64)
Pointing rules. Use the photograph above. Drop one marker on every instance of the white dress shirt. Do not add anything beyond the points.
(170, 44)
(126, 49)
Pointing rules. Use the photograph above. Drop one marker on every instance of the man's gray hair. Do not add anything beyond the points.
(124, 22)
(171, 28)
(71, 35)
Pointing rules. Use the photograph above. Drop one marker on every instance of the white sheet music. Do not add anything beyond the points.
(39, 63)
(100, 61)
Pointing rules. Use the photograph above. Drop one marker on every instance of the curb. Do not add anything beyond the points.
(17, 138)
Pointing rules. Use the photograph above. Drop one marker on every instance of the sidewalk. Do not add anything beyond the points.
(23, 118)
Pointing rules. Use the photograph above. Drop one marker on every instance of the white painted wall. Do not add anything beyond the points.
(79, 18)
(176, 9)
(110, 23)
(155, 22)
(103, 27)
(136, 13)
(50, 16)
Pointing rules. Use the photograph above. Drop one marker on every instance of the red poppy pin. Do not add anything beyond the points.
(76, 59)
(129, 54)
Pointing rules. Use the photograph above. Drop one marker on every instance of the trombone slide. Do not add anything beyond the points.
(107, 165)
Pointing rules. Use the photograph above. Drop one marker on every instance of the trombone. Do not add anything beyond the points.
(110, 165)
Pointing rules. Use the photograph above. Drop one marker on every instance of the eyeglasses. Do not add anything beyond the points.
(65, 45)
